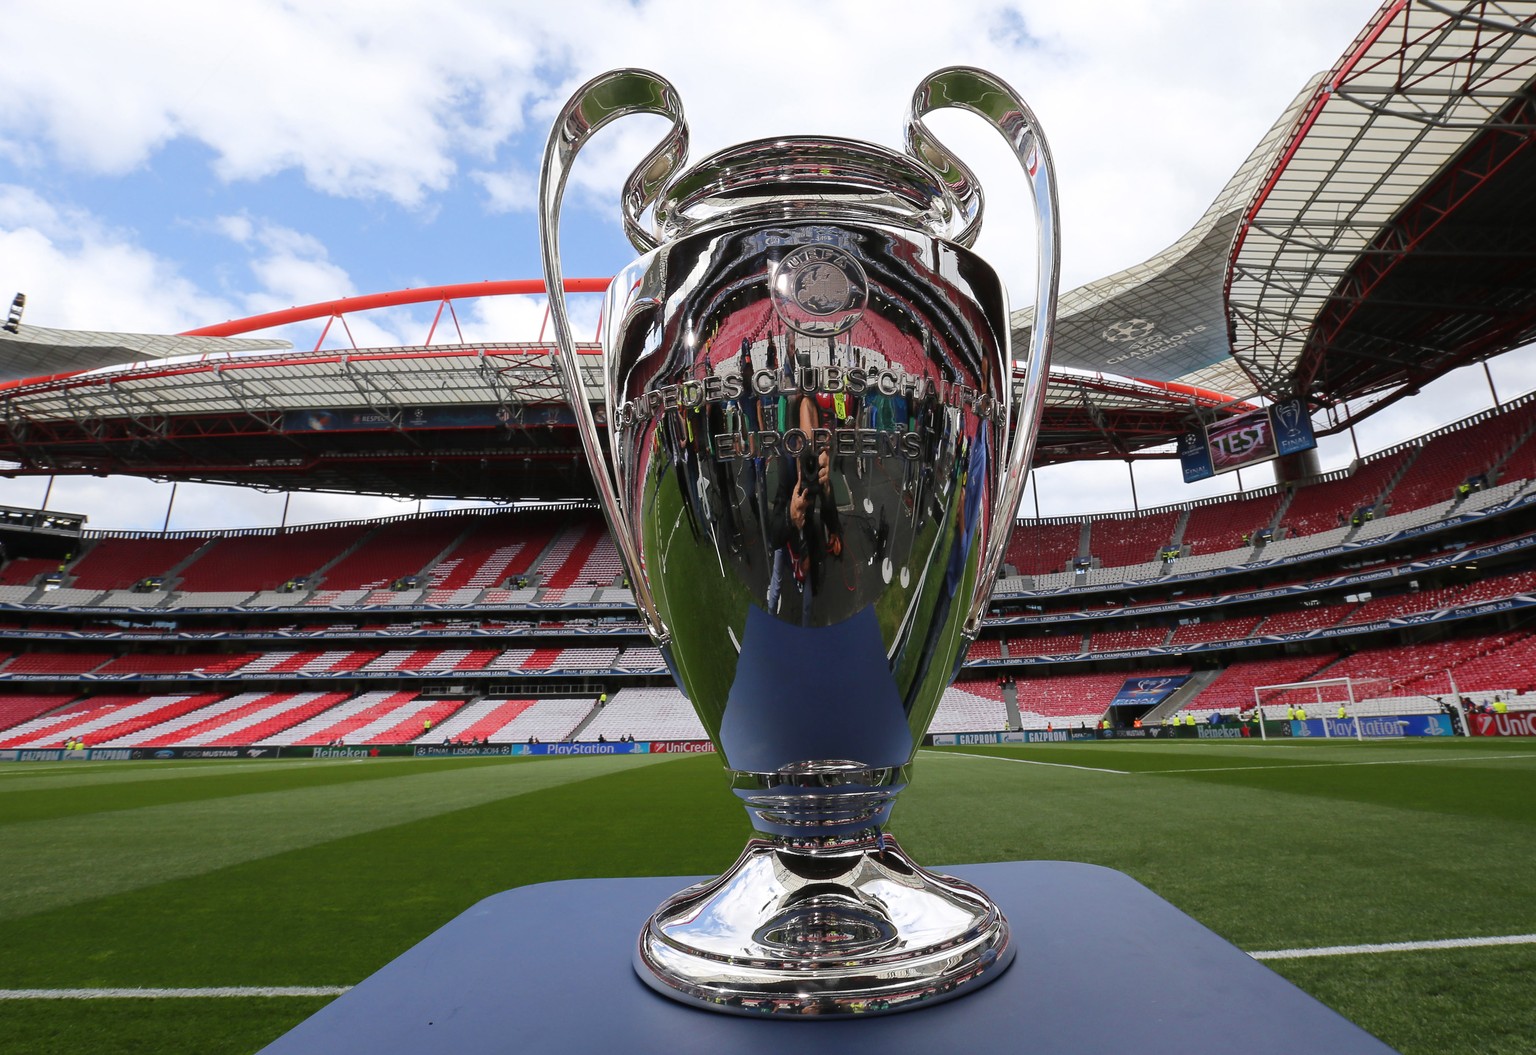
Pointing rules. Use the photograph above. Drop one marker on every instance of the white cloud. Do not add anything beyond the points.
(1149, 109)
(511, 190)
(365, 99)
(81, 272)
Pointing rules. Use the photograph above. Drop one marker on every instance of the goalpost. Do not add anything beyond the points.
(1322, 698)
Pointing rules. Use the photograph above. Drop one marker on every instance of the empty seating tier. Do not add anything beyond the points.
(391, 552)
(121, 563)
(646, 714)
(266, 562)
(1318, 507)
(1229, 524)
(1122, 541)
(1038, 548)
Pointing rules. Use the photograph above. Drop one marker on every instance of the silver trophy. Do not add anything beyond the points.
(811, 469)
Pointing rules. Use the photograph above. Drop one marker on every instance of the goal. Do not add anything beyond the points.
(1322, 698)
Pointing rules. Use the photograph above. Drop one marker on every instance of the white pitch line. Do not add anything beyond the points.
(1394, 946)
(337, 990)
(1331, 765)
(1029, 762)
(173, 994)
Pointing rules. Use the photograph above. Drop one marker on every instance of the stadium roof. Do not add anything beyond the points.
(36, 351)
(1379, 235)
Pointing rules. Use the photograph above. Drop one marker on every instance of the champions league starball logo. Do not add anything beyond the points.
(1128, 330)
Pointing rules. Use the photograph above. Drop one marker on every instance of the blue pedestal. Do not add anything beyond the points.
(1104, 966)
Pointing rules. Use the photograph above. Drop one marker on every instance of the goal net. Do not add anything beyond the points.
(1321, 697)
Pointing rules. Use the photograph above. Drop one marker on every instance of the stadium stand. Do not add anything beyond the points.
(17, 708)
(56, 663)
(971, 704)
(123, 563)
(1039, 548)
(1124, 541)
(101, 719)
(1232, 689)
(1446, 461)
(1333, 502)
(481, 720)
(265, 561)
(646, 714)
(391, 552)
(1071, 699)
(352, 721)
(1065, 643)
(1222, 526)
(548, 720)
(1118, 640)
(25, 571)
(231, 648)
(259, 717)
(1215, 630)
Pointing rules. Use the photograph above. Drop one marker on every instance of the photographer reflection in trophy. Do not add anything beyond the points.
(812, 466)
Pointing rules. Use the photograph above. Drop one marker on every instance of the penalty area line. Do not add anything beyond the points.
(208, 992)
(1394, 946)
(1029, 762)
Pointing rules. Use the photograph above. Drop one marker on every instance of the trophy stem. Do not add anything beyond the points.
(834, 926)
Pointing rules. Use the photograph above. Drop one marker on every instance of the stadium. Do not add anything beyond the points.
(266, 761)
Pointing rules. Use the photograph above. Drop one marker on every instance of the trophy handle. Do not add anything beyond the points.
(995, 102)
(606, 98)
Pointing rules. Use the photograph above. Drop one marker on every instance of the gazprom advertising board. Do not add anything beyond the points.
(1281, 429)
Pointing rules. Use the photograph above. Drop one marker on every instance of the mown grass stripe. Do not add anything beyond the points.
(204, 993)
(1394, 946)
(67, 860)
(1336, 765)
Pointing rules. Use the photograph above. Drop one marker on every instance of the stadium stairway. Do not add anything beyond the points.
(1011, 701)
(317, 577)
(1185, 695)
(443, 554)
(173, 573)
(482, 719)
(575, 733)
(1381, 502)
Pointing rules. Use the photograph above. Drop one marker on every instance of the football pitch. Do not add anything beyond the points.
(286, 875)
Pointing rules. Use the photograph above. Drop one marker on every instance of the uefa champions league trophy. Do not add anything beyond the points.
(811, 470)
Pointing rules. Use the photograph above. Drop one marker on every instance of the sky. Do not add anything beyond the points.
(167, 165)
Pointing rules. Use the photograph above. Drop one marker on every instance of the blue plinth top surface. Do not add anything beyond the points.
(1104, 966)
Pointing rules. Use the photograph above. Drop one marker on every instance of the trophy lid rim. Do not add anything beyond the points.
(868, 179)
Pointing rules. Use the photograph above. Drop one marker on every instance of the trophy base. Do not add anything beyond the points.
(787, 932)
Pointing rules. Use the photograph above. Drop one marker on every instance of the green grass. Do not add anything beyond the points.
(318, 873)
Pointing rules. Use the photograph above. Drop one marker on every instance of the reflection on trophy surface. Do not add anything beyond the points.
(815, 462)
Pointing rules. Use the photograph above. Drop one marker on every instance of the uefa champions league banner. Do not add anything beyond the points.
(1265, 434)
(1376, 726)
(1148, 691)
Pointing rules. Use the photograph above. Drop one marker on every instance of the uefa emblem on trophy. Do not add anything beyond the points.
(811, 467)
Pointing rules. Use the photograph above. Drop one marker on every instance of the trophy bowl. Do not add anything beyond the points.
(813, 459)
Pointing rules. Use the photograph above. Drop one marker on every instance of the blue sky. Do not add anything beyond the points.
(168, 165)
